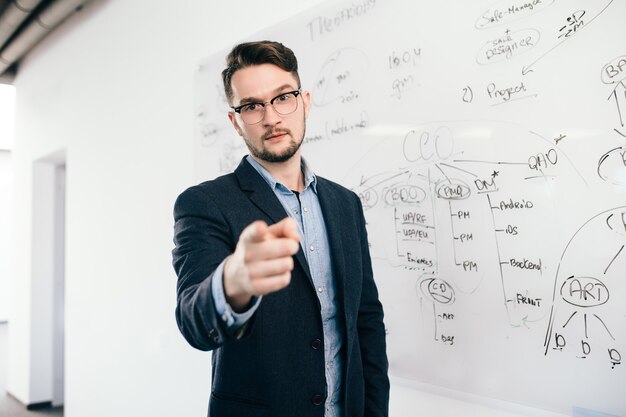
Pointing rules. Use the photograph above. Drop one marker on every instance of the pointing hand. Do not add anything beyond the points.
(262, 261)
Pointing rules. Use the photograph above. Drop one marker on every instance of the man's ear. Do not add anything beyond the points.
(306, 100)
(233, 119)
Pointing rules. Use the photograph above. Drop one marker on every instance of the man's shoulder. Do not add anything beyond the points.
(214, 190)
(218, 184)
(339, 195)
(327, 184)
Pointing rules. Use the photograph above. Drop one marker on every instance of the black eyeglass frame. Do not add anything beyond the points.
(296, 93)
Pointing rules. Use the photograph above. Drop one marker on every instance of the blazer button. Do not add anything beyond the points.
(316, 344)
(317, 399)
(214, 336)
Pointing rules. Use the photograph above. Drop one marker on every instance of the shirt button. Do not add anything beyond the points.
(295, 212)
(306, 210)
(317, 399)
(316, 344)
(320, 289)
(312, 248)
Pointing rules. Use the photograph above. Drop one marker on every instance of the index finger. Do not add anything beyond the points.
(287, 227)
(254, 232)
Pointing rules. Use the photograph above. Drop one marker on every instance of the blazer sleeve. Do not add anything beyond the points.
(202, 239)
(371, 333)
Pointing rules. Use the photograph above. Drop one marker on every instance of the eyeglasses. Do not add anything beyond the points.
(284, 104)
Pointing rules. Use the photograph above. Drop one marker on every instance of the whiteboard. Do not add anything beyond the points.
(487, 143)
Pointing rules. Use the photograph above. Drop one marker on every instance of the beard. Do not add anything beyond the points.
(266, 155)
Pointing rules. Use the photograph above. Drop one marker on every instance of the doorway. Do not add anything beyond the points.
(48, 281)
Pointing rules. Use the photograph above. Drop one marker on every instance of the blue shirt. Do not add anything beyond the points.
(305, 208)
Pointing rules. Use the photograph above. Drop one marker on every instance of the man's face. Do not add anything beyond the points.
(276, 138)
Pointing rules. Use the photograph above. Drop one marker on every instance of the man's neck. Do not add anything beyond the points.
(288, 173)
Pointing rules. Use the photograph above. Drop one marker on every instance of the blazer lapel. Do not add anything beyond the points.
(259, 191)
(332, 215)
(262, 196)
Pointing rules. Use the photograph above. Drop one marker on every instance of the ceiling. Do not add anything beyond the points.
(25, 23)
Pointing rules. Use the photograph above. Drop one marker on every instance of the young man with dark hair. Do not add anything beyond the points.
(273, 265)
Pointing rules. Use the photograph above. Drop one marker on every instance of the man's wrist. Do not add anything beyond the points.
(239, 304)
(237, 300)
(233, 319)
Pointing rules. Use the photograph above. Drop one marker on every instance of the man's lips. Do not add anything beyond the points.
(276, 135)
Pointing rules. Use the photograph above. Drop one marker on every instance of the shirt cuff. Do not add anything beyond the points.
(232, 319)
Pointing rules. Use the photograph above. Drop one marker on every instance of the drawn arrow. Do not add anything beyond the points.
(525, 321)
(391, 174)
(619, 93)
(364, 181)
(526, 69)
(614, 258)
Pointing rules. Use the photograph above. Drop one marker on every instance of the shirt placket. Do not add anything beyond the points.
(312, 232)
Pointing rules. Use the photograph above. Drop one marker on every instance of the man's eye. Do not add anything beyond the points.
(250, 107)
(284, 97)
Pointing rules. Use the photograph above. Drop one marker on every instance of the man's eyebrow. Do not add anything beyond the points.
(276, 92)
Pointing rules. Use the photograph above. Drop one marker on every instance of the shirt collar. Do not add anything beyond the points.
(310, 179)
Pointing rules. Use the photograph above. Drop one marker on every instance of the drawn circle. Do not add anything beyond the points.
(614, 71)
(516, 43)
(437, 290)
(452, 189)
(403, 194)
(584, 291)
(617, 222)
(612, 166)
(495, 16)
(368, 197)
(340, 76)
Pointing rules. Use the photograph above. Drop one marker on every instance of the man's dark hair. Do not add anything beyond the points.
(257, 53)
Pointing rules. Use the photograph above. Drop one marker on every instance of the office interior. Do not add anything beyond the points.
(95, 150)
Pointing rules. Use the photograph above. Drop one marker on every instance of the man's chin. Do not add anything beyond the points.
(275, 157)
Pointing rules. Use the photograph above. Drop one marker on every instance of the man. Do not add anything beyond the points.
(273, 265)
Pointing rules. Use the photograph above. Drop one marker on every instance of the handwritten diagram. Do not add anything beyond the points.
(573, 23)
(487, 144)
(455, 216)
(614, 74)
(587, 295)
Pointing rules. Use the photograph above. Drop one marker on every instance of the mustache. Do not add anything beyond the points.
(275, 132)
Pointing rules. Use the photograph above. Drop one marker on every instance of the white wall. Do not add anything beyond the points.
(114, 88)
(7, 115)
(6, 210)
(3, 357)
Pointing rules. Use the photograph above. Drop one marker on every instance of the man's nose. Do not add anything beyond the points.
(271, 116)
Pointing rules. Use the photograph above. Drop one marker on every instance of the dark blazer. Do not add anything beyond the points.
(274, 365)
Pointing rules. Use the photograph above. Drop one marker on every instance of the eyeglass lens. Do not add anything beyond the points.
(284, 104)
